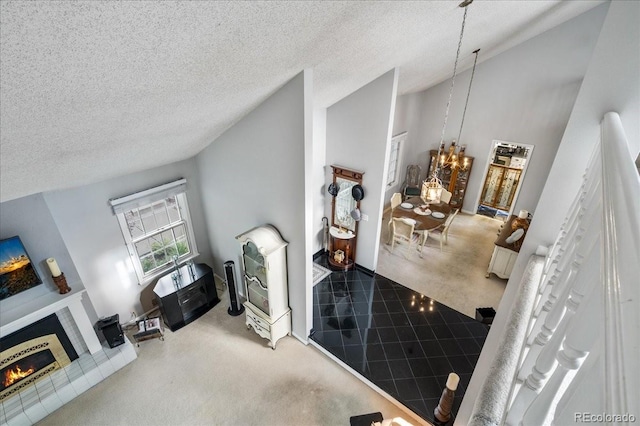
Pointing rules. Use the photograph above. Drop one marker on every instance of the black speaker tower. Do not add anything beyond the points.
(235, 308)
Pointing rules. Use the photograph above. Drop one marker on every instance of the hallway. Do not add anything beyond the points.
(403, 342)
(413, 322)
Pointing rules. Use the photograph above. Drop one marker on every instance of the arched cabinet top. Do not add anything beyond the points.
(266, 238)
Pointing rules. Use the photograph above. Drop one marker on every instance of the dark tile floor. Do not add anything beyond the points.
(402, 341)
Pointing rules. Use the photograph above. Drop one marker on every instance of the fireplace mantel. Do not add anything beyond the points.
(39, 307)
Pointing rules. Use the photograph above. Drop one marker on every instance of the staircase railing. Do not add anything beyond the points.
(576, 327)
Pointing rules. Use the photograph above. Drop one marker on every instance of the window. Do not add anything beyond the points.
(156, 228)
(394, 159)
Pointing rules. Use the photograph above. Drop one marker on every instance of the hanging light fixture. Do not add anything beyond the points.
(432, 188)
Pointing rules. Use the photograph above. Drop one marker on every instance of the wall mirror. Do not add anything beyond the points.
(344, 229)
(344, 203)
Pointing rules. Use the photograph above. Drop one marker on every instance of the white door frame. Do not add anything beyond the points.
(494, 143)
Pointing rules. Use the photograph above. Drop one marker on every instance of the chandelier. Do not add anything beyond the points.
(455, 157)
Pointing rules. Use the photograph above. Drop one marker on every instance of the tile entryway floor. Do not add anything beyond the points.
(400, 340)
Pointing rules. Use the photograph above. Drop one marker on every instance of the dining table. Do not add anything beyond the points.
(423, 213)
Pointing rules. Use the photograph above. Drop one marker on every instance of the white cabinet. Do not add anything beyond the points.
(264, 261)
(505, 252)
(502, 261)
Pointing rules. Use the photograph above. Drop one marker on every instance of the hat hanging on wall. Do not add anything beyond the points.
(355, 214)
(357, 192)
(333, 189)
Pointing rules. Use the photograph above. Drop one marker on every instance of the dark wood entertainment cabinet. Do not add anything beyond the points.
(188, 298)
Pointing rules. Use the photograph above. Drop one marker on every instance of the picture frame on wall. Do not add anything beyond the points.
(17, 272)
(150, 324)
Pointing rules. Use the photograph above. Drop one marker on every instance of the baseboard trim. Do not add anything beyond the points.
(319, 253)
(358, 267)
(297, 336)
(365, 270)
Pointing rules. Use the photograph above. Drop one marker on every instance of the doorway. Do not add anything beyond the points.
(505, 171)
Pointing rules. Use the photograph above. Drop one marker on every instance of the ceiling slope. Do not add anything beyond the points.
(97, 89)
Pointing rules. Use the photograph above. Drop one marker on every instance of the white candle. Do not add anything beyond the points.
(452, 381)
(53, 266)
(523, 214)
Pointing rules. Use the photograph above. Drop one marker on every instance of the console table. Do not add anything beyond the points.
(504, 254)
(186, 299)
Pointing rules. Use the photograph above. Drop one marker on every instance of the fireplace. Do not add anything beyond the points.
(31, 353)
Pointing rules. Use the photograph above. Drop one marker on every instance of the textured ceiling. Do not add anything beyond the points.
(97, 89)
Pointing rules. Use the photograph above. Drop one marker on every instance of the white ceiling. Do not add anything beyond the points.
(97, 89)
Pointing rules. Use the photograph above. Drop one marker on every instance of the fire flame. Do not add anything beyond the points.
(12, 376)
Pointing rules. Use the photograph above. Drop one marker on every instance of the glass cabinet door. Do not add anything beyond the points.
(500, 186)
(256, 277)
(508, 188)
(491, 186)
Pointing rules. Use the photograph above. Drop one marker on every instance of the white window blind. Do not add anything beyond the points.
(148, 196)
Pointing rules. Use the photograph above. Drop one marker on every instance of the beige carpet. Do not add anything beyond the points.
(216, 372)
(454, 277)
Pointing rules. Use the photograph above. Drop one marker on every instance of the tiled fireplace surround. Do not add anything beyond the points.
(96, 361)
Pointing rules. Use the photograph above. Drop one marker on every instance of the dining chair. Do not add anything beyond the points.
(396, 200)
(403, 231)
(412, 183)
(423, 234)
(445, 196)
(443, 231)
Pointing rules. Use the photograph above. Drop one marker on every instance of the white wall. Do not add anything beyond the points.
(94, 239)
(254, 174)
(612, 82)
(523, 95)
(408, 118)
(30, 219)
(358, 134)
(319, 189)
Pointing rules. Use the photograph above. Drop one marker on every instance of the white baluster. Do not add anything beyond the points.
(589, 193)
(589, 376)
(546, 284)
(582, 333)
(560, 281)
(572, 287)
(545, 356)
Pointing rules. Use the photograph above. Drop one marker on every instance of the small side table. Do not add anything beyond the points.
(150, 328)
(340, 249)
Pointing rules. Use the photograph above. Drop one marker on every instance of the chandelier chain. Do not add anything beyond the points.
(468, 93)
(453, 78)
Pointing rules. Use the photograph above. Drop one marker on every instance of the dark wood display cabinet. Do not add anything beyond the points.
(454, 179)
(187, 298)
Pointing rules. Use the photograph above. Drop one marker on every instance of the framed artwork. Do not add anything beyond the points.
(150, 324)
(17, 273)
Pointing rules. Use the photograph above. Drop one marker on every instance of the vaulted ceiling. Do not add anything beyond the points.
(91, 90)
